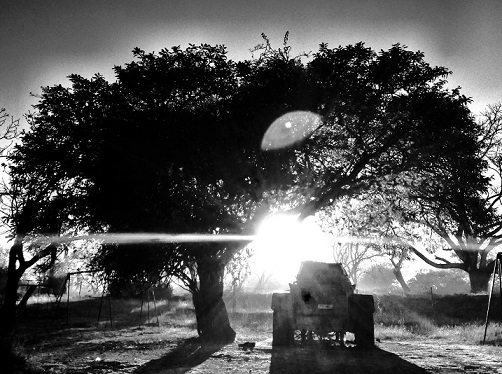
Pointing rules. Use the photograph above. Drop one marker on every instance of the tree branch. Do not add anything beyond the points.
(442, 259)
(435, 264)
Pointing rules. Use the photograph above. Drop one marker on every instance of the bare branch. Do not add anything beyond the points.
(435, 264)
(9, 131)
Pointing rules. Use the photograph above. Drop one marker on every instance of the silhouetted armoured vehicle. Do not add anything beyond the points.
(322, 305)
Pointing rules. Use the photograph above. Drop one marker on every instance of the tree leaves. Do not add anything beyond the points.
(173, 145)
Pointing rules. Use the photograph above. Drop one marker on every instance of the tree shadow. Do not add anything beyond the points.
(190, 353)
(299, 360)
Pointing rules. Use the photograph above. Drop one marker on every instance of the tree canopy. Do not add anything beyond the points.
(173, 145)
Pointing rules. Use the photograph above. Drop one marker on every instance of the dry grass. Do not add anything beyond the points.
(393, 333)
(470, 333)
(395, 318)
(463, 334)
(452, 318)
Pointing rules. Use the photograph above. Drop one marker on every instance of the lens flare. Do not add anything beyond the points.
(133, 238)
(152, 238)
(289, 129)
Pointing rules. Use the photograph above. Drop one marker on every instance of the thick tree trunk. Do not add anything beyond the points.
(480, 280)
(210, 310)
(8, 311)
(24, 301)
(11, 287)
(402, 282)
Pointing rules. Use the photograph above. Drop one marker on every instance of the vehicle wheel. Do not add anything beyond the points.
(361, 312)
(365, 333)
(340, 339)
(303, 337)
(282, 333)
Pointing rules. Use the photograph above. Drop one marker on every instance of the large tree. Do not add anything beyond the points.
(464, 214)
(174, 146)
(162, 149)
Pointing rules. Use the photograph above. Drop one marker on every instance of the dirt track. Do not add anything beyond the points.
(149, 351)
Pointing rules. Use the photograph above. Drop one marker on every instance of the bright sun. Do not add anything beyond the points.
(282, 243)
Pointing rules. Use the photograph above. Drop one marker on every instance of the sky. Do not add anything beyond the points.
(43, 41)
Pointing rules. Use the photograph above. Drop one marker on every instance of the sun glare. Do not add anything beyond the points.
(283, 242)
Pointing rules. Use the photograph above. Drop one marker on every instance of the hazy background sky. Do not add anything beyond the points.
(43, 41)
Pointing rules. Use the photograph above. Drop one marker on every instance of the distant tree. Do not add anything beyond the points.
(378, 279)
(173, 146)
(450, 281)
(369, 226)
(263, 281)
(237, 272)
(393, 230)
(350, 233)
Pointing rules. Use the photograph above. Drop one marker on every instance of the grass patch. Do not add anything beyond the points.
(258, 321)
(393, 332)
(457, 318)
(470, 334)
(14, 360)
(448, 310)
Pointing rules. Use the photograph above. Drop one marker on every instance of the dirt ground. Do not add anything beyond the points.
(150, 349)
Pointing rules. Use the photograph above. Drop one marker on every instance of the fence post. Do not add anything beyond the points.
(432, 303)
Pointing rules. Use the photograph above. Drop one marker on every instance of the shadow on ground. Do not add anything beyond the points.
(277, 360)
(339, 360)
(186, 356)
